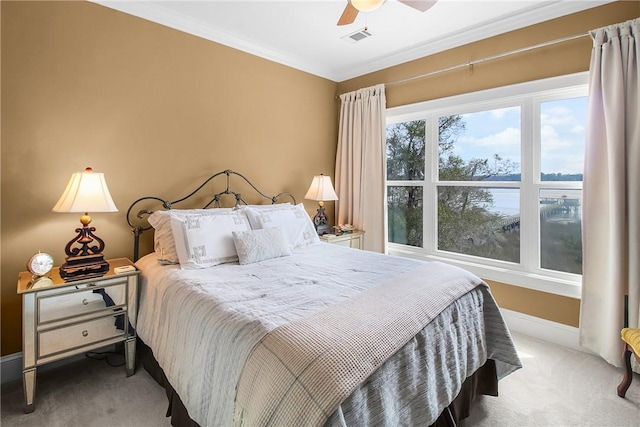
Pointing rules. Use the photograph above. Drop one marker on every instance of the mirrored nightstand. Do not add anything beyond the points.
(62, 319)
(355, 239)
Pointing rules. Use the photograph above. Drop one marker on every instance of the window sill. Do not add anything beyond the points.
(552, 285)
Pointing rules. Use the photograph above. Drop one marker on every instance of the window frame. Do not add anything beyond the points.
(528, 96)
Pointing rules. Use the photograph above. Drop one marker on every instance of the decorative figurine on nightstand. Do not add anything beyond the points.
(86, 192)
(39, 266)
(321, 190)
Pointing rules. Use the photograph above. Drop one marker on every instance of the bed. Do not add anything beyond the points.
(248, 319)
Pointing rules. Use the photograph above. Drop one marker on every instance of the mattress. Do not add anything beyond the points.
(203, 324)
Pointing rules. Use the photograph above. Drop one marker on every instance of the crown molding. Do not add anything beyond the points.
(160, 15)
(524, 18)
(539, 13)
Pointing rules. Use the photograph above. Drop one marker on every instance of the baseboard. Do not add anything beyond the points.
(11, 367)
(11, 364)
(546, 330)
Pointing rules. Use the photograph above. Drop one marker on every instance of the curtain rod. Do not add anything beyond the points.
(486, 58)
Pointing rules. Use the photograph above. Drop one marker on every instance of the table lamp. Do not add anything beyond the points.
(86, 192)
(321, 190)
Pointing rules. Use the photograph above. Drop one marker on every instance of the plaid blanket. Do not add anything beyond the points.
(301, 371)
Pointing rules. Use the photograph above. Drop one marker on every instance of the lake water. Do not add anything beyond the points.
(506, 201)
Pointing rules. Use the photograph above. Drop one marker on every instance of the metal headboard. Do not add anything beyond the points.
(142, 214)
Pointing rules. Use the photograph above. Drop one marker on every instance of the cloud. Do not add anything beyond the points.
(498, 113)
(562, 162)
(498, 131)
(577, 129)
(501, 112)
(552, 141)
(506, 143)
(559, 115)
(558, 153)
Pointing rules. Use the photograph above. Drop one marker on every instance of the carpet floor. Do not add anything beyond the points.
(556, 387)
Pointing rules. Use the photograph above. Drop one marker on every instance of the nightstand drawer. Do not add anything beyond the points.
(61, 306)
(81, 334)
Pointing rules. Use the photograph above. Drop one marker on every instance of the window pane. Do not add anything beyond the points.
(405, 215)
(405, 151)
(560, 230)
(481, 146)
(480, 221)
(562, 135)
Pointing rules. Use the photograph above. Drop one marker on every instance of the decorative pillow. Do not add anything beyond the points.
(163, 242)
(206, 240)
(292, 219)
(258, 245)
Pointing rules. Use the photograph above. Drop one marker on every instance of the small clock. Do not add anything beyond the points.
(40, 264)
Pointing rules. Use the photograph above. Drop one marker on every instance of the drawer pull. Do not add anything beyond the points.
(85, 301)
(85, 333)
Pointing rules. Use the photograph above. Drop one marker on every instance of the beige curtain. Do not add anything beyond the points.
(360, 164)
(611, 205)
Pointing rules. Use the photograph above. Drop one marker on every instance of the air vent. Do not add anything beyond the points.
(359, 35)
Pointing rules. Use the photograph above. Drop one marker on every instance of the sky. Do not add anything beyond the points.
(562, 129)
(562, 132)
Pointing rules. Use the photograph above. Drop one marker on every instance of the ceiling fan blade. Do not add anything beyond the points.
(348, 15)
(421, 5)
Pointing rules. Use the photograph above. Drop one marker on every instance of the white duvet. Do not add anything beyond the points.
(202, 324)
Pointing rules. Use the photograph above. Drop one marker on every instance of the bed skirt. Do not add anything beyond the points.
(482, 382)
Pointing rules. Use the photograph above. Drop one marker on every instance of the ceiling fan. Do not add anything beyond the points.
(354, 6)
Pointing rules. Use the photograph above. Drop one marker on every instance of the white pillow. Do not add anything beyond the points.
(258, 245)
(270, 205)
(206, 240)
(292, 219)
(163, 242)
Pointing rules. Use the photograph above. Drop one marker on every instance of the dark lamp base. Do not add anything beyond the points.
(84, 267)
(324, 229)
(320, 222)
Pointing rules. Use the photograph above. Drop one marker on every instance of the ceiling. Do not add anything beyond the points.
(303, 33)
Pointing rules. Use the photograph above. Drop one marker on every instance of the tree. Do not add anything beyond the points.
(406, 151)
(462, 210)
(465, 223)
(405, 162)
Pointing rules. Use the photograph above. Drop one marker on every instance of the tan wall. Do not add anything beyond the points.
(155, 109)
(560, 59)
(556, 308)
(566, 58)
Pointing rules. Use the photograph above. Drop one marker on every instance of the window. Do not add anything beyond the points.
(492, 180)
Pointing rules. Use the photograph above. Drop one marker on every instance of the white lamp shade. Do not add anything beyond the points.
(366, 5)
(321, 189)
(86, 192)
